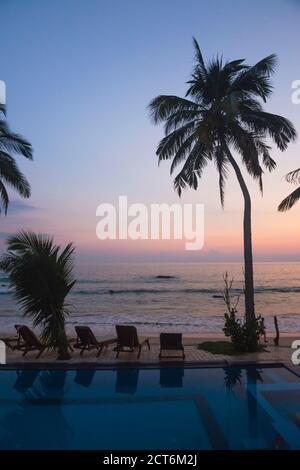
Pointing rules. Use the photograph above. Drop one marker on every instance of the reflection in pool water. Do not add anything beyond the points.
(159, 408)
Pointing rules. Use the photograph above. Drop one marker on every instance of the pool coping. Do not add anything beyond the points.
(110, 365)
(150, 365)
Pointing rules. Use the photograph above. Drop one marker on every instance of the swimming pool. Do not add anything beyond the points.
(150, 408)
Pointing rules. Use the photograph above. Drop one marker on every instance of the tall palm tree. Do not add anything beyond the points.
(291, 199)
(222, 112)
(10, 174)
(42, 276)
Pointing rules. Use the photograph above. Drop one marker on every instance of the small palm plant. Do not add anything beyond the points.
(42, 276)
(10, 174)
(291, 199)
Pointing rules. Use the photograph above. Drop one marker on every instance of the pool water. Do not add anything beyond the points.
(142, 408)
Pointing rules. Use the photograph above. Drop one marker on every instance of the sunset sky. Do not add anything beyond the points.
(79, 76)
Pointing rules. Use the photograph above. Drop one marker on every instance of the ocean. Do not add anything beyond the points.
(183, 297)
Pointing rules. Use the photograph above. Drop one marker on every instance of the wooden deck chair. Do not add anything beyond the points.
(86, 340)
(171, 342)
(128, 340)
(28, 341)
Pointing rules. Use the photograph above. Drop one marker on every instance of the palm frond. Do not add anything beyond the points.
(280, 129)
(265, 67)
(25, 242)
(14, 143)
(199, 56)
(234, 66)
(10, 173)
(264, 150)
(3, 197)
(252, 84)
(293, 176)
(181, 118)
(170, 144)
(192, 169)
(289, 201)
(255, 80)
(247, 103)
(3, 109)
(182, 153)
(163, 106)
(222, 167)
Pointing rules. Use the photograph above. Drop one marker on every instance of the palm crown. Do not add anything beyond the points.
(222, 110)
(10, 174)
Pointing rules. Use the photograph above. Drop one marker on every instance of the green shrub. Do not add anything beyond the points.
(244, 334)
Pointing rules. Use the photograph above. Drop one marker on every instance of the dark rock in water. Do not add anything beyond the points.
(218, 296)
(161, 276)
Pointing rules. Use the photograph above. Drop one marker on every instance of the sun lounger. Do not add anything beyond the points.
(171, 342)
(86, 340)
(14, 341)
(28, 341)
(128, 340)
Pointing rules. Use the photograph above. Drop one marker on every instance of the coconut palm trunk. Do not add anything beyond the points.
(63, 351)
(57, 326)
(247, 234)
